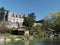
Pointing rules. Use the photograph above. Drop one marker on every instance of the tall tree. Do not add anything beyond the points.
(2, 10)
(29, 20)
(32, 16)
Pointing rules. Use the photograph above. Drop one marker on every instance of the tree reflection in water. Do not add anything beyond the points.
(52, 42)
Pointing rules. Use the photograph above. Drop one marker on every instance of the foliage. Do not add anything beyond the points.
(28, 22)
(52, 22)
(32, 16)
(56, 21)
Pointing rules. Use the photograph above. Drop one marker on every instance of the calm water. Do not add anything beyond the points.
(47, 41)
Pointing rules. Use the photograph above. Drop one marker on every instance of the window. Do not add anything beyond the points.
(22, 16)
(13, 14)
(16, 16)
(20, 19)
(19, 16)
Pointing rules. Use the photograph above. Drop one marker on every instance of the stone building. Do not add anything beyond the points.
(14, 20)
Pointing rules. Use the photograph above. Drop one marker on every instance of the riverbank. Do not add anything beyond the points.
(9, 37)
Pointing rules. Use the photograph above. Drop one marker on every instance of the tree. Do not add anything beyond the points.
(29, 20)
(2, 10)
(46, 22)
(56, 21)
(52, 22)
(32, 16)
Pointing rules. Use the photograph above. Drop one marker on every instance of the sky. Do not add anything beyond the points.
(41, 8)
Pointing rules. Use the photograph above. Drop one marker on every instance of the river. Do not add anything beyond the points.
(36, 41)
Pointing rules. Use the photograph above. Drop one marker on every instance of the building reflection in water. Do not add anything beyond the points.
(26, 42)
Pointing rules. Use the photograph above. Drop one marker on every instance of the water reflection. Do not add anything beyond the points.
(26, 42)
(52, 42)
(47, 41)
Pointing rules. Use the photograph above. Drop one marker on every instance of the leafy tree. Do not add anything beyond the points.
(29, 20)
(32, 16)
(46, 22)
(56, 21)
(52, 22)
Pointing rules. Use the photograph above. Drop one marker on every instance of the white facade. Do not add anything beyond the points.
(11, 25)
(14, 17)
(39, 24)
